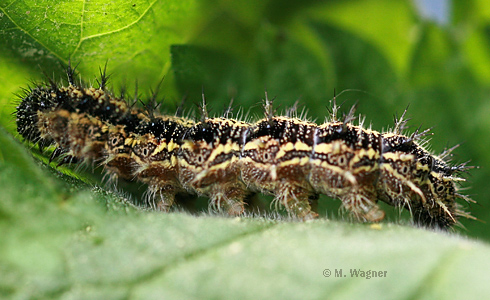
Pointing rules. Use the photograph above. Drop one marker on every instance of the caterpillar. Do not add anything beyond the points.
(227, 159)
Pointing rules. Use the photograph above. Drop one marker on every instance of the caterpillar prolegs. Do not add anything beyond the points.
(227, 159)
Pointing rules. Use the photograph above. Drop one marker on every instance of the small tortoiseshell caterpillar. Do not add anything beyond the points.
(227, 159)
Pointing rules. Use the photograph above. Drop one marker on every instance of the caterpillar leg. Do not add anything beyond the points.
(229, 198)
(362, 206)
(296, 200)
(161, 198)
(162, 183)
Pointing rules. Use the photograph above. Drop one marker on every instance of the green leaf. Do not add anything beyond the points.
(132, 37)
(81, 249)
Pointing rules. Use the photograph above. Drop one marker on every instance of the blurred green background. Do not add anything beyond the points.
(383, 54)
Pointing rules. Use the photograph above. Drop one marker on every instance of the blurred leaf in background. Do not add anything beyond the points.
(61, 240)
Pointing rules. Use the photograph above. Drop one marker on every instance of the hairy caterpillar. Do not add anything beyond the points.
(226, 159)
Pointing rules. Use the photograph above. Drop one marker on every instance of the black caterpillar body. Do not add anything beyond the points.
(227, 159)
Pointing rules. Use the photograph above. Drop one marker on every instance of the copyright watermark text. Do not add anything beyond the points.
(367, 274)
